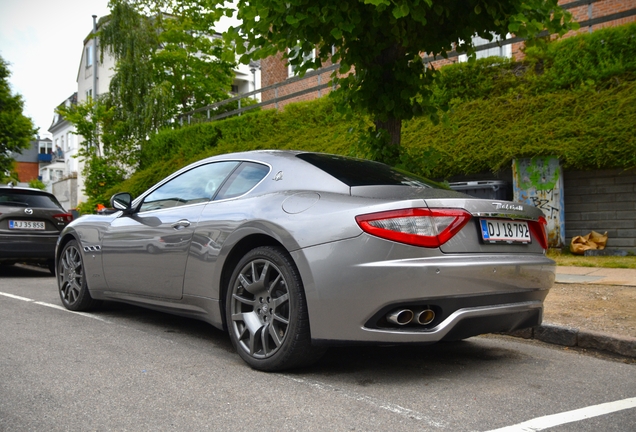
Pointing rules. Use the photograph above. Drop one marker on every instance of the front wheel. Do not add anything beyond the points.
(267, 314)
(71, 279)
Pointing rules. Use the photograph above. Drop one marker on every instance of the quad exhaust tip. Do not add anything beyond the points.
(400, 317)
(425, 316)
(403, 317)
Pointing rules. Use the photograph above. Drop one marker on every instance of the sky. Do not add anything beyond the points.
(43, 42)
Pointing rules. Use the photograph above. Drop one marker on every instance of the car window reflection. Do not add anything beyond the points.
(242, 180)
(194, 186)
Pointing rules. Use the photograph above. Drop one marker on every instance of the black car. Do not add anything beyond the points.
(30, 222)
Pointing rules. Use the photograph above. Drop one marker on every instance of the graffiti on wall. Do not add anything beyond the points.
(539, 182)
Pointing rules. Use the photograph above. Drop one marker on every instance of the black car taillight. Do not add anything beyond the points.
(64, 217)
(418, 227)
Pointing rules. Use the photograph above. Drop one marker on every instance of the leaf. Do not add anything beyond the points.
(477, 9)
(336, 33)
(378, 2)
(401, 11)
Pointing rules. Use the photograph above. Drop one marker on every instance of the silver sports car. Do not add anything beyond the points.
(294, 251)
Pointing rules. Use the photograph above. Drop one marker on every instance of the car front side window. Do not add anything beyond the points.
(194, 186)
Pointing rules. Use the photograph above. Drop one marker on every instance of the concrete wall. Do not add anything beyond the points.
(66, 192)
(602, 201)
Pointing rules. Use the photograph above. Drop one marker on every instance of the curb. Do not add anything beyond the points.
(572, 337)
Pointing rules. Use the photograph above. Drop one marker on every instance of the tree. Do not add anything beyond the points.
(168, 61)
(382, 42)
(16, 130)
(106, 158)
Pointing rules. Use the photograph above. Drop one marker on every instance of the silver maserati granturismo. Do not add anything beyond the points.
(291, 252)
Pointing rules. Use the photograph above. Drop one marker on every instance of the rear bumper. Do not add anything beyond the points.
(352, 285)
(27, 247)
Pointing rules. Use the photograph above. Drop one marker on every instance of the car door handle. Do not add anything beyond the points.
(183, 223)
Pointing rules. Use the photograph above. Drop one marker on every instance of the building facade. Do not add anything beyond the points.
(61, 176)
(33, 159)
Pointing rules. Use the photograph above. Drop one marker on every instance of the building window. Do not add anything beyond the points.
(291, 70)
(89, 56)
(497, 51)
(45, 147)
(89, 94)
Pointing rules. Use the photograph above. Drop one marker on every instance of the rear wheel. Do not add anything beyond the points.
(267, 313)
(71, 279)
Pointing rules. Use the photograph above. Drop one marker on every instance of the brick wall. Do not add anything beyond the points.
(27, 171)
(601, 201)
(274, 70)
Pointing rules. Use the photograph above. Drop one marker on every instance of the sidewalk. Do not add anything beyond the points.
(590, 297)
(596, 275)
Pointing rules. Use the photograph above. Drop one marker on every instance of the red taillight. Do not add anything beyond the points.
(539, 231)
(417, 227)
(64, 217)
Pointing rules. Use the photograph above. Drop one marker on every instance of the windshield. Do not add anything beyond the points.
(27, 199)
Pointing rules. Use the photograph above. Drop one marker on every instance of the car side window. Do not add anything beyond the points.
(242, 180)
(194, 186)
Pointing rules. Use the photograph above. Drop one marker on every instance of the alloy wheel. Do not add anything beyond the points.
(260, 308)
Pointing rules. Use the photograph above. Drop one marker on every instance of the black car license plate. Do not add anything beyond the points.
(26, 225)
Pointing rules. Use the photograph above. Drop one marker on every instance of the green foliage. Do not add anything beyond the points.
(16, 130)
(168, 61)
(499, 111)
(383, 40)
(598, 59)
(100, 176)
(586, 129)
(37, 184)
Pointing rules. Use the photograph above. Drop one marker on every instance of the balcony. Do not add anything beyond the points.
(43, 157)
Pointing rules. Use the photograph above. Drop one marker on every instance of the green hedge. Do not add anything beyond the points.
(586, 129)
(574, 98)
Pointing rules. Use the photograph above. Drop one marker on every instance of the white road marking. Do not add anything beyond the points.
(53, 306)
(16, 297)
(397, 409)
(541, 423)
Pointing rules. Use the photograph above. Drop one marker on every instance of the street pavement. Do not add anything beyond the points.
(127, 368)
(623, 345)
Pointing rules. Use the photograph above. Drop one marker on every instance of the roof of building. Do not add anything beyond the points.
(58, 119)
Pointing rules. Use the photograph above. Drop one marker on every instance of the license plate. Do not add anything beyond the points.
(510, 231)
(26, 225)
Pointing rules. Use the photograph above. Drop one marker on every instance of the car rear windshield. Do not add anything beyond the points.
(27, 199)
(359, 172)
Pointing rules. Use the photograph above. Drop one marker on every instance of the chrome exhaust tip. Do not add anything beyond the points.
(400, 317)
(425, 316)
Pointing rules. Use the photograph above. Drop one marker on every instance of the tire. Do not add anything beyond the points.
(267, 314)
(71, 279)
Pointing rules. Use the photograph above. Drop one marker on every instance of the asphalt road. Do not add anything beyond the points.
(126, 368)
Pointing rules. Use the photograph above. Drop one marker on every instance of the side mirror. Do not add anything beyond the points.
(121, 201)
